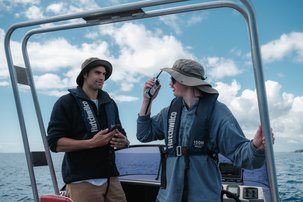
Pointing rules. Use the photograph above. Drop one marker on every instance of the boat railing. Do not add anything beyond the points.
(121, 13)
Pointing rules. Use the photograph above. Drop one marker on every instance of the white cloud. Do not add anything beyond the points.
(278, 102)
(59, 53)
(56, 93)
(59, 56)
(16, 55)
(10, 5)
(34, 13)
(178, 22)
(134, 59)
(195, 19)
(228, 92)
(25, 1)
(285, 110)
(51, 81)
(287, 44)
(92, 35)
(241, 104)
(237, 52)
(71, 6)
(3, 66)
(55, 8)
(124, 98)
(172, 21)
(143, 51)
(55, 54)
(4, 83)
(219, 67)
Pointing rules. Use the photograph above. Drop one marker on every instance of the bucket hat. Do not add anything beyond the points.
(190, 73)
(91, 63)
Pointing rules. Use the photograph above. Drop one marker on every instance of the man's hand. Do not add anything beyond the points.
(102, 138)
(259, 139)
(149, 84)
(147, 102)
(119, 140)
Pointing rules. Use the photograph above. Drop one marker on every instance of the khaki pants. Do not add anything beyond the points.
(86, 192)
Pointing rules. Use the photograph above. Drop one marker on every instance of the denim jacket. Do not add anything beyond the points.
(204, 177)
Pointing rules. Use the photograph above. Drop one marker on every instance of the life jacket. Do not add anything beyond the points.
(199, 132)
(92, 123)
(198, 136)
(89, 116)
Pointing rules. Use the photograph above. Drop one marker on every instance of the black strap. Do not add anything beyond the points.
(185, 180)
(89, 117)
(148, 105)
(173, 124)
(163, 168)
(229, 195)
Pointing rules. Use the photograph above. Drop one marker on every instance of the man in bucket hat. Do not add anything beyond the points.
(195, 127)
(80, 126)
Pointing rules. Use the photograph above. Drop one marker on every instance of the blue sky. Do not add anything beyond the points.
(139, 49)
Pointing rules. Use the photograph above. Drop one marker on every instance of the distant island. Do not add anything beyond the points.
(299, 151)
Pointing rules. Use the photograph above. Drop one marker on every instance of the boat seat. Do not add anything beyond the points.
(54, 198)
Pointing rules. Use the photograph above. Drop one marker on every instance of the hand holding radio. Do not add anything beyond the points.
(150, 92)
(151, 89)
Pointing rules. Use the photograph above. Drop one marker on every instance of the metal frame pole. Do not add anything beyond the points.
(247, 12)
(262, 100)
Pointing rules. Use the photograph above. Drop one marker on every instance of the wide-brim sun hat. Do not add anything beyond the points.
(190, 73)
(91, 63)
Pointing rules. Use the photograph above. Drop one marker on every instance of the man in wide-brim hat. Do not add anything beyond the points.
(80, 126)
(195, 127)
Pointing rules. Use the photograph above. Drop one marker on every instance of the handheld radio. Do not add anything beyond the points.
(151, 91)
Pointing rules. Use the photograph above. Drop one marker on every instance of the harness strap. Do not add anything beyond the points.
(89, 117)
(163, 168)
(186, 169)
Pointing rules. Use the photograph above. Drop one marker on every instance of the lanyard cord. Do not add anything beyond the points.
(148, 105)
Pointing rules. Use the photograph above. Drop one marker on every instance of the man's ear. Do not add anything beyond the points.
(85, 75)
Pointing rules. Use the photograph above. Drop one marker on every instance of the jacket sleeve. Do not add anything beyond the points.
(152, 128)
(117, 119)
(59, 124)
(232, 142)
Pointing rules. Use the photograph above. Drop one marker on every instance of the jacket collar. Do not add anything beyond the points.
(103, 97)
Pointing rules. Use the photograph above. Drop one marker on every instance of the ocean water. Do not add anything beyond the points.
(289, 168)
(15, 182)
